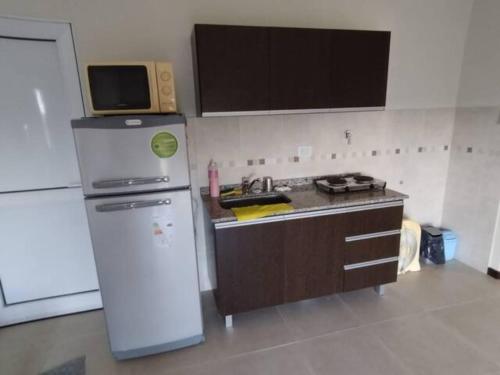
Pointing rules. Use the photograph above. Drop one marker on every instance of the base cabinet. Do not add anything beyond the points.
(313, 264)
(249, 266)
(267, 264)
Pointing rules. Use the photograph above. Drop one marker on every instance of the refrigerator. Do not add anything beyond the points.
(135, 179)
(46, 260)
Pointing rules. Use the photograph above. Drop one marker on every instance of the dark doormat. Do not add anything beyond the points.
(74, 367)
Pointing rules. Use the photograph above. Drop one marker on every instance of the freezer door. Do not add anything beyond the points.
(45, 248)
(146, 263)
(131, 154)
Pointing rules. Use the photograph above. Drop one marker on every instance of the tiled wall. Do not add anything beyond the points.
(473, 186)
(408, 148)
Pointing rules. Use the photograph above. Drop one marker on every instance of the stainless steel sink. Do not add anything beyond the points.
(254, 199)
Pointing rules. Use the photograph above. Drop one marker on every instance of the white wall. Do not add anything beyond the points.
(472, 192)
(426, 49)
(480, 82)
(495, 248)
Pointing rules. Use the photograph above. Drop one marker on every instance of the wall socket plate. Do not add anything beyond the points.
(305, 152)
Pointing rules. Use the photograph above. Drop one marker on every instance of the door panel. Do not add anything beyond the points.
(250, 267)
(300, 68)
(360, 61)
(233, 68)
(36, 144)
(146, 262)
(45, 248)
(109, 150)
(314, 257)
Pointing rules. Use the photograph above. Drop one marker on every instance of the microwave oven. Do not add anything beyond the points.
(130, 87)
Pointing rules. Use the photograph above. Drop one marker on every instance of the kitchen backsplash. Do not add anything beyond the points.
(408, 148)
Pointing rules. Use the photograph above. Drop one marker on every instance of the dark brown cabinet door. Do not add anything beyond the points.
(359, 68)
(250, 267)
(313, 257)
(300, 68)
(233, 68)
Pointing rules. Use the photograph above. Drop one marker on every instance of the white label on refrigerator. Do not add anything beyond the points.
(163, 227)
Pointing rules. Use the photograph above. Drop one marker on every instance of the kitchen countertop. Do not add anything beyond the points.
(307, 198)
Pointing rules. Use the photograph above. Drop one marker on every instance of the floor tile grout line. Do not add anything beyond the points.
(287, 324)
(393, 354)
(461, 303)
(463, 339)
(351, 310)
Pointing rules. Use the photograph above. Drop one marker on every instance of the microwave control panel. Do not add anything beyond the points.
(166, 88)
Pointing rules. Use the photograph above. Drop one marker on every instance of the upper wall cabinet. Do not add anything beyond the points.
(300, 69)
(233, 68)
(360, 62)
(266, 70)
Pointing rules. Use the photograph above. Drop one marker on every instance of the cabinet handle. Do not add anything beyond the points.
(370, 263)
(122, 182)
(373, 235)
(109, 207)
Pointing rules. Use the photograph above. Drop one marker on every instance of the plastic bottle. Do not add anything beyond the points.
(213, 179)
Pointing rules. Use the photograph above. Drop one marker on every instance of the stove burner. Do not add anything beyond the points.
(336, 181)
(348, 183)
(363, 179)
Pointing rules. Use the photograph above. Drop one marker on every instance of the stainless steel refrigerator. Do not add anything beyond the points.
(137, 192)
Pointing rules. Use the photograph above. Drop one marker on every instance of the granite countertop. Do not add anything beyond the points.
(307, 198)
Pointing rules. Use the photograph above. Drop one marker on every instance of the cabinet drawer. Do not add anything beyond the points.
(375, 220)
(379, 246)
(364, 277)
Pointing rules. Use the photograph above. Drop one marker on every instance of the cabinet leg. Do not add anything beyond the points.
(379, 289)
(229, 321)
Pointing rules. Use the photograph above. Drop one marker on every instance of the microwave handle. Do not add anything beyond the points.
(124, 182)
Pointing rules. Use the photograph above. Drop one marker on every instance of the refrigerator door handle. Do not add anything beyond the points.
(109, 207)
(121, 182)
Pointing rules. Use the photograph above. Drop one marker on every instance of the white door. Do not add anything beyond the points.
(45, 242)
(45, 251)
(36, 142)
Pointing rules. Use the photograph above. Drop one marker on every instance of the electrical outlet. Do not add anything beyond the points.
(305, 152)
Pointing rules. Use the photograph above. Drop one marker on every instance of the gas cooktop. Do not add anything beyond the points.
(344, 183)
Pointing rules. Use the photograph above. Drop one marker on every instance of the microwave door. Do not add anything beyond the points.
(120, 87)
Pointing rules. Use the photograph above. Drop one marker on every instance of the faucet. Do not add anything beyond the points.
(246, 184)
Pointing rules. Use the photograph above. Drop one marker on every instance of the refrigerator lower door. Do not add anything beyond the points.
(45, 248)
(146, 263)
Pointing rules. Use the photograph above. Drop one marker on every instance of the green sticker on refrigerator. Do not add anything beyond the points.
(164, 145)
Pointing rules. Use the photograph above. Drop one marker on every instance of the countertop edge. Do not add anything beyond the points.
(366, 202)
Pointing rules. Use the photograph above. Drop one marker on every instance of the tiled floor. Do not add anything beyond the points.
(443, 320)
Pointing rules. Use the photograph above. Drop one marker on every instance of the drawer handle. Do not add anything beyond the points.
(373, 235)
(370, 263)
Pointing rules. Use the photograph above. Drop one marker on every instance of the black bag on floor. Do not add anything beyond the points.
(432, 245)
